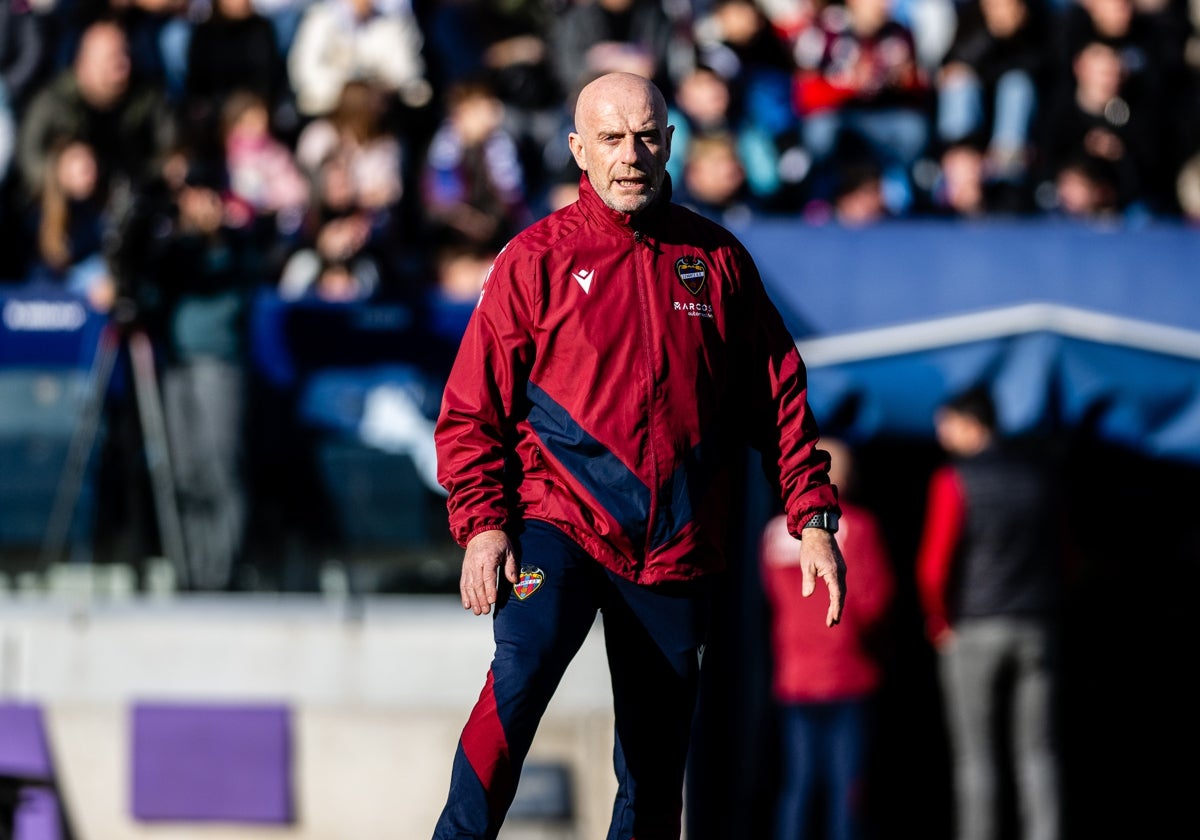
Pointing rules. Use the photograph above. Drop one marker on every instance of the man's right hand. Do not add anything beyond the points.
(486, 553)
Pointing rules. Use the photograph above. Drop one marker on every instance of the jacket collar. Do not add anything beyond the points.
(647, 221)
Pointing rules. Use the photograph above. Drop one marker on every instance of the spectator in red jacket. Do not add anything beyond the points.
(824, 683)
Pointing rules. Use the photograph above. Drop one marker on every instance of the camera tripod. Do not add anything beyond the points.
(117, 334)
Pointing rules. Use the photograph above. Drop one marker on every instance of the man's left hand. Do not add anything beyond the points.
(820, 557)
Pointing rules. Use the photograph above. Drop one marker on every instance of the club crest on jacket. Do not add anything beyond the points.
(691, 273)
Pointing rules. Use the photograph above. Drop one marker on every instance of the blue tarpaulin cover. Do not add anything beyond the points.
(1073, 325)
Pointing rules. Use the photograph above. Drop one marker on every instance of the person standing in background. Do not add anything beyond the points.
(989, 577)
(192, 264)
(824, 684)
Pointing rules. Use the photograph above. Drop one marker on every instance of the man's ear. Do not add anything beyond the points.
(670, 134)
(575, 142)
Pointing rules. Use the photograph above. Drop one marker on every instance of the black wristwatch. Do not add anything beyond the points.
(826, 520)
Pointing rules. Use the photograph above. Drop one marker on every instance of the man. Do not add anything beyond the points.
(98, 100)
(989, 577)
(620, 349)
(826, 685)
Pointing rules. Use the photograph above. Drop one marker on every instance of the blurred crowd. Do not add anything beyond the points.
(170, 160)
(352, 148)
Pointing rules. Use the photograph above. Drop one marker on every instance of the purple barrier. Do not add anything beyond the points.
(27, 773)
(212, 763)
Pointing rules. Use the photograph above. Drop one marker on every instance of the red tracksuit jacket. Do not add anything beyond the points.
(610, 368)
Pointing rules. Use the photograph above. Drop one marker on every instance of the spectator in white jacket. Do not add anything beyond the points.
(374, 40)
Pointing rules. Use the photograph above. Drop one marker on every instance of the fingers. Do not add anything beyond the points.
(478, 586)
(474, 591)
(835, 582)
(489, 591)
(823, 559)
(836, 597)
(484, 556)
(809, 580)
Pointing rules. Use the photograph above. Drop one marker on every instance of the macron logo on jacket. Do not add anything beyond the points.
(584, 279)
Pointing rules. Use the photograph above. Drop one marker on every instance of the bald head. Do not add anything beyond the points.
(622, 140)
(618, 89)
(102, 64)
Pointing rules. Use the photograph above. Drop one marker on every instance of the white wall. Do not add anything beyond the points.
(380, 689)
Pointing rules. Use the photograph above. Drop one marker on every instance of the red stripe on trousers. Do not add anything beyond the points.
(486, 747)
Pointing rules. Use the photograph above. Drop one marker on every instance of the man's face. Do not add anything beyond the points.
(623, 142)
(102, 66)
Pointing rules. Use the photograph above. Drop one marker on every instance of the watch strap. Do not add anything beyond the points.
(826, 520)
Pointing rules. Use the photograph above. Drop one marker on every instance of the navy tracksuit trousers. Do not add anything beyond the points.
(653, 637)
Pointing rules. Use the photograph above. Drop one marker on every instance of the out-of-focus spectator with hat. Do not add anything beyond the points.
(341, 253)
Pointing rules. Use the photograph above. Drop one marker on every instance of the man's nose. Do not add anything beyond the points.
(629, 150)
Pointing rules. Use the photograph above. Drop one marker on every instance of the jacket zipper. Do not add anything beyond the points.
(648, 353)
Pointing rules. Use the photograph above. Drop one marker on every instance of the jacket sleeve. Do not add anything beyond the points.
(944, 512)
(781, 425)
(483, 394)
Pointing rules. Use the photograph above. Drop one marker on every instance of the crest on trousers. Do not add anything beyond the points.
(529, 581)
(691, 273)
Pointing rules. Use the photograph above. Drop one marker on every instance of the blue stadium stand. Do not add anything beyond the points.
(358, 384)
(48, 341)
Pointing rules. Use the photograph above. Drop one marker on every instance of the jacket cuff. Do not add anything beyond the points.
(478, 529)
